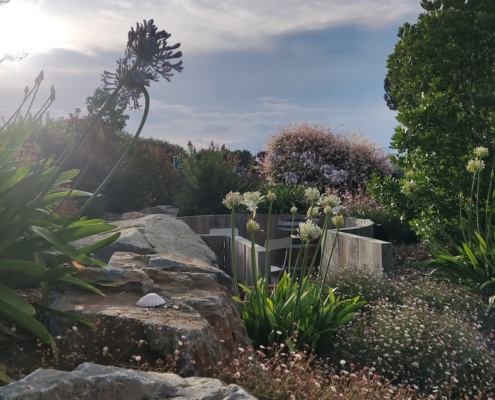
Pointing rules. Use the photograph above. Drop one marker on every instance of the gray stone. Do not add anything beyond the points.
(160, 234)
(169, 210)
(199, 322)
(98, 382)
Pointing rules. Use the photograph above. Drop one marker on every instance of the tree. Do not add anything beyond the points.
(114, 118)
(441, 74)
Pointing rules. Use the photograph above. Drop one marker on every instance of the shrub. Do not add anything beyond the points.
(282, 375)
(208, 175)
(428, 324)
(438, 352)
(439, 122)
(311, 154)
(287, 196)
(147, 178)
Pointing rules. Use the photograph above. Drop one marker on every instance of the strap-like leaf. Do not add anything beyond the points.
(10, 297)
(61, 244)
(26, 321)
(66, 315)
(79, 282)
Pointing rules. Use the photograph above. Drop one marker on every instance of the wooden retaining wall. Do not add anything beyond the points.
(374, 255)
(355, 244)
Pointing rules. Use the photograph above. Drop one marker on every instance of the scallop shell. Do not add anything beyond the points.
(150, 300)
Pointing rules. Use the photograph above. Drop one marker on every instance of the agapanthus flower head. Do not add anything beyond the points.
(251, 200)
(232, 200)
(338, 221)
(409, 187)
(293, 210)
(409, 175)
(480, 152)
(475, 166)
(252, 226)
(313, 212)
(149, 45)
(312, 195)
(308, 231)
(133, 83)
(15, 57)
(331, 201)
(271, 196)
(148, 48)
(290, 178)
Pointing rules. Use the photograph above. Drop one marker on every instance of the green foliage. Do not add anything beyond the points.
(34, 249)
(441, 76)
(431, 323)
(208, 175)
(114, 117)
(146, 178)
(278, 317)
(287, 197)
(312, 154)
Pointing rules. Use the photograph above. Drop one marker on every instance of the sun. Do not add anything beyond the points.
(24, 27)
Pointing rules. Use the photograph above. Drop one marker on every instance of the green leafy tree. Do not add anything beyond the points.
(114, 117)
(441, 79)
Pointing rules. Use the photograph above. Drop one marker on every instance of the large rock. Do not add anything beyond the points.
(154, 234)
(97, 382)
(198, 327)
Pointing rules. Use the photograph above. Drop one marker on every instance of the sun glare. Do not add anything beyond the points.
(24, 27)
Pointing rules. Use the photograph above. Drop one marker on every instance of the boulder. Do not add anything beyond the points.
(154, 234)
(169, 210)
(98, 382)
(198, 327)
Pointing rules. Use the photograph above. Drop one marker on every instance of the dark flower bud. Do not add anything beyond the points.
(26, 91)
(52, 94)
(39, 78)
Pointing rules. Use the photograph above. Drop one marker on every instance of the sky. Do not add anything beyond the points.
(249, 66)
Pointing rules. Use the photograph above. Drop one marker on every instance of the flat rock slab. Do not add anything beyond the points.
(98, 382)
(154, 234)
(198, 325)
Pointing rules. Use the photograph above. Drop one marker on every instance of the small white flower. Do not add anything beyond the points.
(251, 200)
(308, 231)
(480, 152)
(105, 349)
(279, 333)
(312, 195)
(232, 200)
(342, 362)
(475, 166)
(74, 328)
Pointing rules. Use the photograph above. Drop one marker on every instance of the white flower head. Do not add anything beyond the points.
(475, 166)
(308, 231)
(232, 200)
(293, 210)
(251, 200)
(480, 152)
(312, 195)
(271, 196)
(409, 187)
(313, 212)
(252, 226)
(331, 201)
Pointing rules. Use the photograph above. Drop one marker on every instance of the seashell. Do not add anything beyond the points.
(150, 300)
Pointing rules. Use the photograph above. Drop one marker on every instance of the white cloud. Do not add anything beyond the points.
(179, 123)
(202, 26)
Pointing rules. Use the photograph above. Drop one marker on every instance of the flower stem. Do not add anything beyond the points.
(123, 157)
(232, 251)
(268, 252)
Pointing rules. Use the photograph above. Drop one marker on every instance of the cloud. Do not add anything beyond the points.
(178, 123)
(204, 26)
